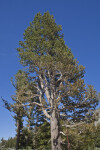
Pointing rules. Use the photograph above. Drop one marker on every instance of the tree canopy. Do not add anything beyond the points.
(54, 84)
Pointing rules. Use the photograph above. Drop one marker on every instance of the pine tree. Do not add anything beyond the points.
(97, 136)
(42, 137)
(20, 84)
(56, 75)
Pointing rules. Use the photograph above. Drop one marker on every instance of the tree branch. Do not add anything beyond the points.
(63, 133)
(43, 109)
(45, 88)
(32, 103)
(46, 120)
(73, 125)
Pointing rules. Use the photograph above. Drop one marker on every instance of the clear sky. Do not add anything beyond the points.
(80, 20)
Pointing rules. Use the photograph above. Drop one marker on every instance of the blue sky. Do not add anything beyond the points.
(80, 20)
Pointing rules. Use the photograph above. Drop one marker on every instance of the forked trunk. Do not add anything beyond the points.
(55, 131)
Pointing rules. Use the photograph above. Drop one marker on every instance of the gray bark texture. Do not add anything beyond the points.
(55, 131)
(18, 135)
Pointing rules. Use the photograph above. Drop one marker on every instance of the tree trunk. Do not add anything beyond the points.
(55, 131)
(19, 128)
(18, 135)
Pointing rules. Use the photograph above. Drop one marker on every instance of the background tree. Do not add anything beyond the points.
(10, 143)
(20, 84)
(24, 92)
(97, 136)
(56, 75)
(80, 137)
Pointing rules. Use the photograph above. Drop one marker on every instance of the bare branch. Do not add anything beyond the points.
(45, 88)
(74, 125)
(59, 77)
(63, 115)
(45, 113)
(77, 105)
(46, 120)
(40, 98)
(32, 104)
(43, 109)
(47, 91)
(63, 133)
(85, 100)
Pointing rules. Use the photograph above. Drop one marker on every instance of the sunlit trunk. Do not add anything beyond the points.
(55, 131)
(18, 135)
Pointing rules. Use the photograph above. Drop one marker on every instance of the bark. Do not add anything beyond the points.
(18, 135)
(55, 131)
(19, 127)
(54, 116)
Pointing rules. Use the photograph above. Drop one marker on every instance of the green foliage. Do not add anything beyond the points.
(85, 137)
(44, 51)
(43, 45)
(97, 136)
(10, 143)
(51, 70)
(26, 138)
(81, 138)
(42, 137)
